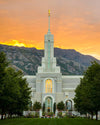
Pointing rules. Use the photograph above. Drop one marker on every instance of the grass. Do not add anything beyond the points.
(31, 121)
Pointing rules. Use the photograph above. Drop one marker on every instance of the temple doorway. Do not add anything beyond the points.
(48, 104)
(69, 105)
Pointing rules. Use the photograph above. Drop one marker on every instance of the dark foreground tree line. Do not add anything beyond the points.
(87, 97)
(14, 90)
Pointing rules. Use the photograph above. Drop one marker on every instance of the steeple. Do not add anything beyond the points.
(48, 21)
(49, 61)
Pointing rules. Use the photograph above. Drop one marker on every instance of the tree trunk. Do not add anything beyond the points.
(10, 115)
(92, 115)
(96, 115)
(5, 115)
(86, 115)
(1, 116)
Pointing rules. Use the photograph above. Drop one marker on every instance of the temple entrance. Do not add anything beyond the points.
(69, 105)
(48, 104)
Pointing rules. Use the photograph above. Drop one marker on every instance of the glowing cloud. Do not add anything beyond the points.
(22, 43)
(18, 44)
(13, 43)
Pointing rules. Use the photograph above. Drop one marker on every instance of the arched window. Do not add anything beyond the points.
(48, 86)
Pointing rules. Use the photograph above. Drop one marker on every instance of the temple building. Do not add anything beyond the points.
(49, 86)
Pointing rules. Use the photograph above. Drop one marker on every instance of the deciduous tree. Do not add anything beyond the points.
(87, 97)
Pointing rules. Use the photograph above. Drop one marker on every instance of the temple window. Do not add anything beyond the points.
(48, 86)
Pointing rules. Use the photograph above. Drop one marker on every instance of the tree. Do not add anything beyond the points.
(60, 106)
(82, 99)
(37, 106)
(3, 65)
(3, 62)
(43, 107)
(87, 97)
(24, 99)
(14, 90)
(54, 107)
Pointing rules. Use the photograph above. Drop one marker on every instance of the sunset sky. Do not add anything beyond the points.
(74, 23)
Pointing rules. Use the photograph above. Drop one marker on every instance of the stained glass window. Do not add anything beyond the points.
(48, 86)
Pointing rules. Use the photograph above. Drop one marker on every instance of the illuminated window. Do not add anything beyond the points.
(48, 86)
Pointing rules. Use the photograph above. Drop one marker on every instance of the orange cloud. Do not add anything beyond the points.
(75, 24)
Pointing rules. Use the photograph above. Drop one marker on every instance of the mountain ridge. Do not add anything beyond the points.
(28, 59)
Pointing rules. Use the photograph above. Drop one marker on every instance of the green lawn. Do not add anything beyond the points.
(30, 121)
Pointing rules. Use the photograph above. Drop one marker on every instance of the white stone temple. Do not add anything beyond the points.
(49, 86)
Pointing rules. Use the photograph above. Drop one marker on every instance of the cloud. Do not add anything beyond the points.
(74, 23)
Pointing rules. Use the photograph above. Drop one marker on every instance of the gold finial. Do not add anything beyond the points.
(48, 12)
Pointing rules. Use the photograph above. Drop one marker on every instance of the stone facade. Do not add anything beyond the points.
(62, 89)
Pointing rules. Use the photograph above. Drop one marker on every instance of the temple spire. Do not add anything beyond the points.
(48, 20)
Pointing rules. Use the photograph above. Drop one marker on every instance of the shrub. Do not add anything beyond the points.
(37, 106)
(60, 114)
(43, 113)
(30, 115)
(50, 114)
(36, 114)
(60, 106)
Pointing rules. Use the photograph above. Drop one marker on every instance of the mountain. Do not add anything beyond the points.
(28, 59)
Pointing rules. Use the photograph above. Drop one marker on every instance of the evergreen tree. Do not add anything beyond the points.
(14, 90)
(54, 107)
(43, 107)
(3, 65)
